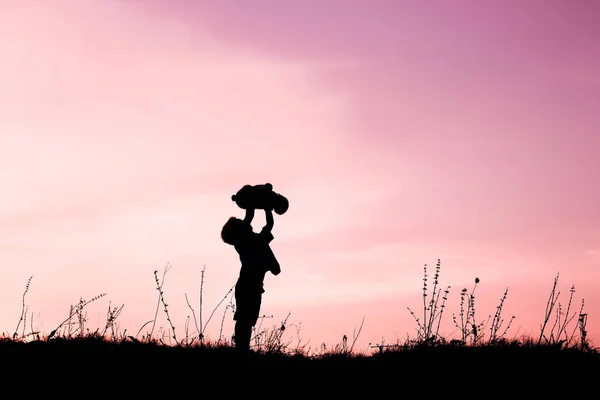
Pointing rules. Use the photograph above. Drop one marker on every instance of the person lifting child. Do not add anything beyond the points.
(255, 254)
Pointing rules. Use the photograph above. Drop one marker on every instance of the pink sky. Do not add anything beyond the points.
(401, 132)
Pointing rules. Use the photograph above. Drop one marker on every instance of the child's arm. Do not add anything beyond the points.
(269, 220)
(249, 215)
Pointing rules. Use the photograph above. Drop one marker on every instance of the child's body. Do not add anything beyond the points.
(261, 197)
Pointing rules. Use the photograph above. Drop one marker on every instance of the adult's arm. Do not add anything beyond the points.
(269, 220)
(249, 215)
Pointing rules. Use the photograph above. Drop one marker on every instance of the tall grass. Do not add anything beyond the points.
(562, 327)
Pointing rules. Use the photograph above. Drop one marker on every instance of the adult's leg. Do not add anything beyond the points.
(246, 315)
(243, 332)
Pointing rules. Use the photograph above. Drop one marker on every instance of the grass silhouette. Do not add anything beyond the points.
(478, 347)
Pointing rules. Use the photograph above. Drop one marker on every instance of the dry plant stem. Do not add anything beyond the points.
(201, 329)
(567, 320)
(81, 319)
(471, 312)
(73, 311)
(560, 326)
(230, 305)
(432, 310)
(512, 318)
(159, 286)
(111, 316)
(186, 328)
(356, 334)
(444, 299)
(549, 307)
(215, 309)
(25, 321)
(497, 320)
(32, 330)
(258, 331)
(424, 297)
(166, 308)
(300, 348)
(582, 330)
(578, 325)
(434, 301)
(23, 308)
(193, 314)
(138, 333)
(272, 342)
(462, 315)
(558, 311)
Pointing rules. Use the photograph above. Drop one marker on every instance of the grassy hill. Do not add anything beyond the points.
(560, 361)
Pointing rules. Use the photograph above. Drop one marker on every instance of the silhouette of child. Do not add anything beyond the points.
(257, 259)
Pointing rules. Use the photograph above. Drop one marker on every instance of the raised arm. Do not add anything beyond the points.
(249, 215)
(269, 220)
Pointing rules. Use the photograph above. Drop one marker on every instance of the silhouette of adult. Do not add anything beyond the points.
(257, 259)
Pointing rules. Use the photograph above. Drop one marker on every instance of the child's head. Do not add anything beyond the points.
(233, 230)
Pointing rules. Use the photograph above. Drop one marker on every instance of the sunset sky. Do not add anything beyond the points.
(402, 132)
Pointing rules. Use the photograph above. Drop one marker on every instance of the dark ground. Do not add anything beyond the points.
(105, 369)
